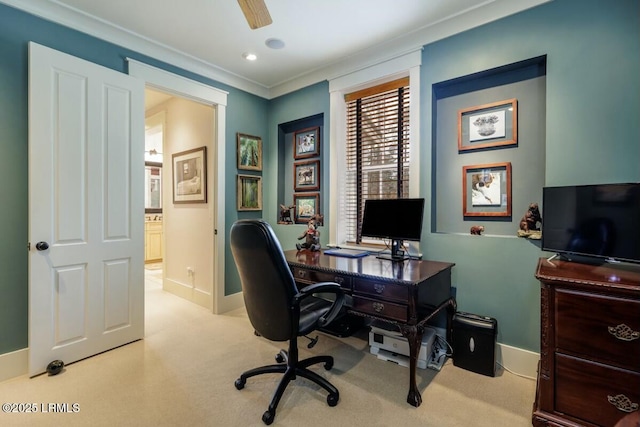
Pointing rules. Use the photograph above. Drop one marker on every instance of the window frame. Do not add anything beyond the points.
(407, 65)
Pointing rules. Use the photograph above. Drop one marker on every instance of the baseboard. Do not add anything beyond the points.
(14, 364)
(518, 361)
(229, 302)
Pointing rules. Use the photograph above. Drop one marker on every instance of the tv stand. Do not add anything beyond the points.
(397, 253)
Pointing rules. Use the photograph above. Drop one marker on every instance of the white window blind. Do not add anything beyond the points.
(377, 149)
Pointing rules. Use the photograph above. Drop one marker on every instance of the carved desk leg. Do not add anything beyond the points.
(413, 334)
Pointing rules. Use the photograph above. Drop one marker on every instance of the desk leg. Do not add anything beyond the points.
(413, 334)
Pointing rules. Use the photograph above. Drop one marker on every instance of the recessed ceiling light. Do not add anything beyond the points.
(274, 43)
(249, 56)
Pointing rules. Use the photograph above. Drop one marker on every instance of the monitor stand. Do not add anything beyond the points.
(397, 253)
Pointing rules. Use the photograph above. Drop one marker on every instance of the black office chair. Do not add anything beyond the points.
(278, 310)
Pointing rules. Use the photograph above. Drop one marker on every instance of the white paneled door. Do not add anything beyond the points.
(86, 208)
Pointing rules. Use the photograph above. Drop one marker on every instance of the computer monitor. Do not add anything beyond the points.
(393, 219)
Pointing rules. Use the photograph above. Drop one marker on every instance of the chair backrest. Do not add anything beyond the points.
(267, 283)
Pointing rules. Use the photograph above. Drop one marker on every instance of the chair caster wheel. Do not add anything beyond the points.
(268, 417)
(280, 358)
(332, 399)
(240, 383)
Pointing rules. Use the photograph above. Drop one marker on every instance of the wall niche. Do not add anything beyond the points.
(300, 170)
(455, 101)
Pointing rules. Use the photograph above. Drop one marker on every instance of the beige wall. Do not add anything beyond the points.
(188, 228)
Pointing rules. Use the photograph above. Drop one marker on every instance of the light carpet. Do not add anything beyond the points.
(183, 373)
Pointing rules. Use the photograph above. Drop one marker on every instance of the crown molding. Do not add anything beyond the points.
(480, 14)
(72, 18)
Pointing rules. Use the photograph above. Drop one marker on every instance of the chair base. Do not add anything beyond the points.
(291, 370)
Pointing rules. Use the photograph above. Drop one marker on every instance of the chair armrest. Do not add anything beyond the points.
(328, 287)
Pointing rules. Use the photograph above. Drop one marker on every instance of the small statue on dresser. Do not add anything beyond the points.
(311, 237)
(529, 223)
(477, 230)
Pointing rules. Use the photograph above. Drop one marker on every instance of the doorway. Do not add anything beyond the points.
(179, 233)
(180, 86)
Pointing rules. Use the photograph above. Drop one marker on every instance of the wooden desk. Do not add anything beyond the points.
(406, 294)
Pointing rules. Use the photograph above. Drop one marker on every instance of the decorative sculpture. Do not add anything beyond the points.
(529, 223)
(477, 230)
(285, 214)
(311, 237)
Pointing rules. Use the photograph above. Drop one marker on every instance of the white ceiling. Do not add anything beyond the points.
(323, 38)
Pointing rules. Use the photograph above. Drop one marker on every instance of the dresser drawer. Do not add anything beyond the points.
(303, 275)
(381, 308)
(594, 392)
(602, 328)
(379, 289)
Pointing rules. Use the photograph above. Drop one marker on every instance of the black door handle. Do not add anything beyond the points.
(42, 246)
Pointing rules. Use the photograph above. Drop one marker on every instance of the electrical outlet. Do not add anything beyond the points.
(190, 271)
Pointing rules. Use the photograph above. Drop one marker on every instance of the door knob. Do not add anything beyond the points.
(42, 246)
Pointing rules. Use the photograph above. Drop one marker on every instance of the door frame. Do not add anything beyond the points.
(208, 95)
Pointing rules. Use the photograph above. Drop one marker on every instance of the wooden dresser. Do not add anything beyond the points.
(589, 371)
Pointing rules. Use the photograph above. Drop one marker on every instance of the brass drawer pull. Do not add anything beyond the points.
(623, 332)
(622, 403)
(379, 288)
(377, 307)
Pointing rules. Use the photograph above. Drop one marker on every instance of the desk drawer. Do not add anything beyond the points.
(594, 392)
(602, 328)
(379, 289)
(304, 275)
(381, 308)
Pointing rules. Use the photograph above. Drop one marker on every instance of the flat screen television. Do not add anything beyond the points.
(393, 219)
(592, 222)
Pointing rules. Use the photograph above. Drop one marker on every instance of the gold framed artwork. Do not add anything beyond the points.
(486, 190)
(249, 152)
(489, 125)
(190, 176)
(249, 193)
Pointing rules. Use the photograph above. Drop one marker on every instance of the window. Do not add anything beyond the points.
(377, 149)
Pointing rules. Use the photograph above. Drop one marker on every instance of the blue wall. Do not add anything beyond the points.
(592, 128)
(245, 113)
(592, 135)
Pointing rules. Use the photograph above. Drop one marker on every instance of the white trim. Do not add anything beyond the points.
(187, 88)
(518, 361)
(14, 364)
(72, 18)
(400, 66)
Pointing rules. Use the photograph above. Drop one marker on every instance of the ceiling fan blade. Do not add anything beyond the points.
(256, 13)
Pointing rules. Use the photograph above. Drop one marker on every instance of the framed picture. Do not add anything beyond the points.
(488, 125)
(306, 175)
(249, 152)
(190, 176)
(249, 193)
(306, 206)
(306, 143)
(486, 190)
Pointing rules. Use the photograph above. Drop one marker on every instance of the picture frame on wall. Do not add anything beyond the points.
(306, 175)
(486, 190)
(190, 176)
(306, 207)
(306, 143)
(249, 193)
(488, 125)
(249, 152)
